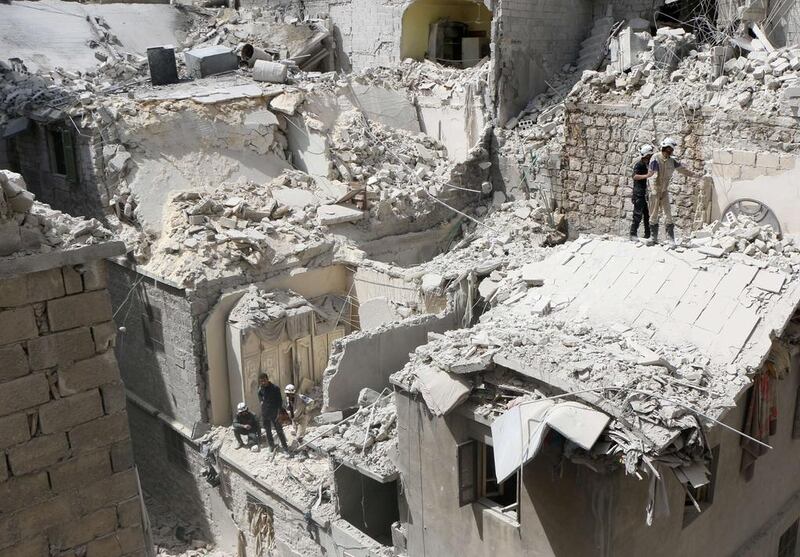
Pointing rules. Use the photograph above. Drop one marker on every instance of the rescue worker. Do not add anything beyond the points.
(271, 403)
(246, 423)
(299, 407)
(640, 209)
(663, 166)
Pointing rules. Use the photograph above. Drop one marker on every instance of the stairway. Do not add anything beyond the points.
(593, 49)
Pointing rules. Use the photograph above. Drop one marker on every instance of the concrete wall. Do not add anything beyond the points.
(67, 478)
(580, 512)
(367, 32)
(745, 518)
(595, 185)
(561, 514)
(368, 358)
(533, 40)
(160, 351)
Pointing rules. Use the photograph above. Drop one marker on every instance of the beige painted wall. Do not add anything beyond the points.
(420, 14)
(310, 283)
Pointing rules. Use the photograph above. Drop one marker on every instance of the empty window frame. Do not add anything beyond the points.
(703, 495)
(62, 153)
(787, 546)
(477, 480)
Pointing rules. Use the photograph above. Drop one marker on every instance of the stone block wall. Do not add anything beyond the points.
(601, 143)
(68, 485)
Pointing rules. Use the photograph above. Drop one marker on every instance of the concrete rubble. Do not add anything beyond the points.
(367, 440)
(29, 227)
(586, 343)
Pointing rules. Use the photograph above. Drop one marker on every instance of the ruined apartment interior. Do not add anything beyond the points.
(415, 215)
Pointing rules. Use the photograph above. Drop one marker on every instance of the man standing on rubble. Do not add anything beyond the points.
(640, 209)
(663, 166)
(299, 406)
(271, 403)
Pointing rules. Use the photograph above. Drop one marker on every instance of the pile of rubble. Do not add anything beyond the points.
(173, 537)
(425, 78)
(368, 438)
(398, 168)
(237, 226)
(275, 34)
(28, 227)
(699, 76)
(510, 235)
(741, 234)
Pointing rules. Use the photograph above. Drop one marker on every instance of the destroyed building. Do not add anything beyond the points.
(365, 200)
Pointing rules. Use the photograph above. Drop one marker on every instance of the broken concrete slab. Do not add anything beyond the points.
(328, 215)
(287, 103)
(441, 391)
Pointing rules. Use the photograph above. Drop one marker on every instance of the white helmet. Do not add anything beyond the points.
(645, 150)
(241, 407)
(669, 142)
(290, 390)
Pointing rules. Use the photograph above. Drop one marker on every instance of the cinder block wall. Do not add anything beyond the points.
(161, 349)
(536, 38)
(68, 485)
(86, 197)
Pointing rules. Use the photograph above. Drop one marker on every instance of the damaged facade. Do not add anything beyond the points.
(367, 201)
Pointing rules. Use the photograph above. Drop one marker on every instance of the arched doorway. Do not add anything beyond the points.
(450, 32)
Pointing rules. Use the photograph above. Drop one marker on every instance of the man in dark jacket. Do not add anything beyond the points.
(246, 423)
(271, 403)
(640, 208)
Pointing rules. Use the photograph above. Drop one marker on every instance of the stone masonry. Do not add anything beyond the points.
(599, 152)
(68, 485)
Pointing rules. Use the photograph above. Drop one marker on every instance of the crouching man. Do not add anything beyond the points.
(246, 423)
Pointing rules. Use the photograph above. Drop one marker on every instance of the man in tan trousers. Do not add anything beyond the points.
(663, 166)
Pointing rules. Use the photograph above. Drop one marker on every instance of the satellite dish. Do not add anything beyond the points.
(754, 209)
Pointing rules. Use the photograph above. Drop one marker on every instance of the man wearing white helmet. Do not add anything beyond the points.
(299, 407)
(640, 209)
(663, 166)
(246, 423)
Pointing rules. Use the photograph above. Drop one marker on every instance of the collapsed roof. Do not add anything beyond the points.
(660, 341)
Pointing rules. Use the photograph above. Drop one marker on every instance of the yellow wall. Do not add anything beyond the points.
(420, 14)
